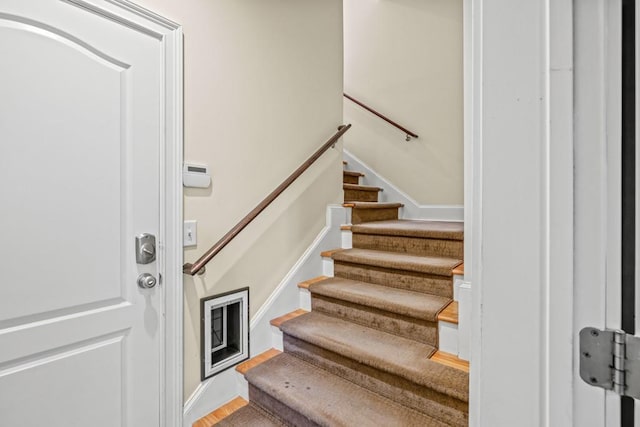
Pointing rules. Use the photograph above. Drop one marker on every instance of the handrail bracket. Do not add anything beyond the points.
(408, 133)
(186, 269)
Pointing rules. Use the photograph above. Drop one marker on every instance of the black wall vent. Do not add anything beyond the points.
(224, 331)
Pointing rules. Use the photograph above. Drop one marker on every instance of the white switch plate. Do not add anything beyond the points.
(190, 233)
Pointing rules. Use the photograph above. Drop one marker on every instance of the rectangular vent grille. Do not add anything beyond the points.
(225, 331)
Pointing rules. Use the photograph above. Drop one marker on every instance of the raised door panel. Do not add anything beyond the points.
(80, 132)
(61, 175)
(30, 390)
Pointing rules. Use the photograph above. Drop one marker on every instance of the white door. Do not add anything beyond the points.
(80, 128)
(603, 240)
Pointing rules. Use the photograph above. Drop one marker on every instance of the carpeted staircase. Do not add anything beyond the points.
(361, 356)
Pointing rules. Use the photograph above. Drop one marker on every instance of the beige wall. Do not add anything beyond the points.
(404, 59)
(263, 84)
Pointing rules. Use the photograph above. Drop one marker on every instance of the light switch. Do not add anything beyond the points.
(190, 233)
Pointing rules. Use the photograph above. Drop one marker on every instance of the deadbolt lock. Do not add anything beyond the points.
(145, 248)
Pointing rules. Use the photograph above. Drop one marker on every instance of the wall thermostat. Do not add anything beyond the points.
(196, 176)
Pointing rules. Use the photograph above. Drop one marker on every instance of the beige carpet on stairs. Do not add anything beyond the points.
(361, 356)
(399, 261)
(430, 238)
(306, 395)
(250, 416)
(408, 303)
(413, 228)
(404, 313)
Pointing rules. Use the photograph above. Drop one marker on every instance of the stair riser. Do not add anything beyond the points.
(415, 329)
(410, 280)
(410, 245)
(360, 196)
(277, 409)
(401, 390)
(350, 179)
(359, 216)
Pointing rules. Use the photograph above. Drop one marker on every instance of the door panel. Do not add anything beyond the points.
(606, 137)
(45, 153)
(41, 381)
(80, 130)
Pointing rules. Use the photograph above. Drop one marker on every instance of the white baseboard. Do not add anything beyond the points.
(242, 387)
(216, 391)
(391, 193)
(277, 338)
(347, 239)
(448, 337)
(458, 280)
(305, 299)
(464, 320)
(285, 297)
(210, 395)
(327, 266)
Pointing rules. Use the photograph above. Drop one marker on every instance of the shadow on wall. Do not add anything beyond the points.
(263, 253)
(199, 192)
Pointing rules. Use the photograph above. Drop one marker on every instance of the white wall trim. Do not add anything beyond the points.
(412, 209)
(448, 337)
(146, 14)
(474, 149)
(597, 135)
(468, 135)
(557, 307)
(286, 297)
(522, 101)
(170, 257)
(173, 327)
(464, 319)
(291, 279)
(216, 391)
(210, 395)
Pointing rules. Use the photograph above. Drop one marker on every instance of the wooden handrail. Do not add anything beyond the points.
(194, 268)
(383, 117)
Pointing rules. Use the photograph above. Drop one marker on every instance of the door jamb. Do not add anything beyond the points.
(170, 257)
(172, 351)
(548, 48)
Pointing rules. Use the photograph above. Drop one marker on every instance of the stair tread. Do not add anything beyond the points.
(248, 415)
(413, 228)
(459, 270)
(329, 253)
(256, 360)
(450, 360)
(407, 303)
(450, 313)
(307, 283)
(361, 188)
(222, 412)
(352, 173)
(440, 266)
(327, 399)
(381, 350)
(279, 320)
(372, 205)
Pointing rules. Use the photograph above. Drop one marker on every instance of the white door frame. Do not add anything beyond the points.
(597, 300)
(519, 190)
(170, 252)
